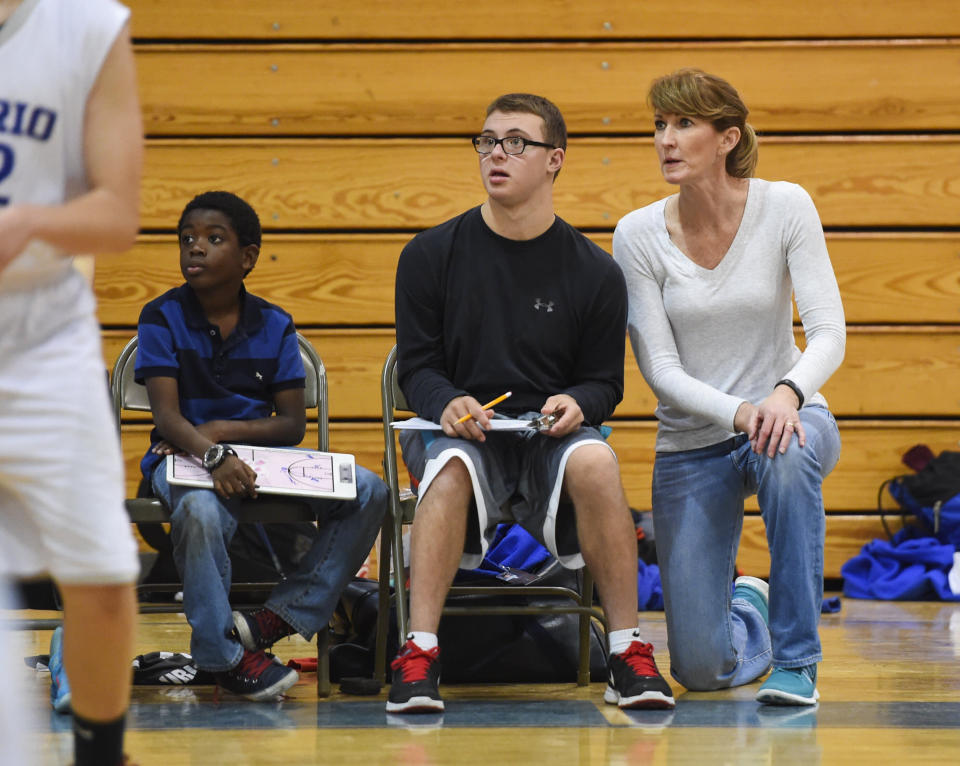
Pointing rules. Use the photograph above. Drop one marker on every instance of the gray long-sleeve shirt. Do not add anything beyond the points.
(707, 340)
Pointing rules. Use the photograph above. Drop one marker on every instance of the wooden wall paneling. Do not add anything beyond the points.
(845, 536)
(891, 278)
(895, 371)
(871, 453)
(855, 181)
(442, 89)
(554, 19)
(888, 372)
(347, 279)
(332, 279)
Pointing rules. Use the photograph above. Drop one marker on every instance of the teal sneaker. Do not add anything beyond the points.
(59, 685)
(790, 686)
(756, 592)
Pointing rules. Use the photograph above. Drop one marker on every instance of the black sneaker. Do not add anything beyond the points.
(635, 681)
(416, 675)
(257, 677)
(260, 629)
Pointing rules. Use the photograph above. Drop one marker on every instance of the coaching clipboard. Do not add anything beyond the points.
(280, 471)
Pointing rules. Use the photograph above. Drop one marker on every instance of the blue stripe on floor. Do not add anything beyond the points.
(189, 713)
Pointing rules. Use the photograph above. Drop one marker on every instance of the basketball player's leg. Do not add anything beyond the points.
(99, 627)
(62, 475)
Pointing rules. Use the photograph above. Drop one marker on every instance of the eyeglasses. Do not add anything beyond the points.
(510, 144)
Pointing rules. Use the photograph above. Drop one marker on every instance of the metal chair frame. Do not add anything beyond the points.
(402, 509)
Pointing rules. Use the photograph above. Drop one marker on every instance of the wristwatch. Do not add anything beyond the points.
(215, 455)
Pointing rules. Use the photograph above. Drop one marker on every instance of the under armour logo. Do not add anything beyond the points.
(539, 304)
(258, 376)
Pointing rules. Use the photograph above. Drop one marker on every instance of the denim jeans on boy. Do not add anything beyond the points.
(201, 529)
(698, 495)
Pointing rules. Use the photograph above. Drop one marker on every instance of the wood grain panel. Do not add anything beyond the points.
(336, 279)
(845, 536)
(871, 454)
(416, 89)
(331, 279)
(897, 278)
(406, 184)
(895, 371)
(598, 19)
(904, 372)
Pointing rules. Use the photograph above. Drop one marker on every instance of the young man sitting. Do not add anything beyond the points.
(553, 308)
(221, 365)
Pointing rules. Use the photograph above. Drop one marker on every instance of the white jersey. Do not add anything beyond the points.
(51, 52)
(61, 471)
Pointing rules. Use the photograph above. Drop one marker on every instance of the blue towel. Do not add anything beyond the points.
(906, 568)
(515, 548)
(830, 605)
(649, 588)
(512, 547)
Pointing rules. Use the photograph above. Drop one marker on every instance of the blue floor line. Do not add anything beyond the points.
(239, 714)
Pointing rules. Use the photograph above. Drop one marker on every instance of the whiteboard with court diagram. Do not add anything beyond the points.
(280, 471)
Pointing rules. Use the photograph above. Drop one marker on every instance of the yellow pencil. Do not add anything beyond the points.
(487, 406)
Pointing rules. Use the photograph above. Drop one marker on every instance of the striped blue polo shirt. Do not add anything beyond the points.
(232, 379)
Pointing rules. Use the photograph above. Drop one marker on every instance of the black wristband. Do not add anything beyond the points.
(214, 456)
(223, 458)
(793, 387)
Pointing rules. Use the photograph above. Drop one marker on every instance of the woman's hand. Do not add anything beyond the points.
(776, 421)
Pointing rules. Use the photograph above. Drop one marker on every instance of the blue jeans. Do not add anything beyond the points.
(201, 529)
(715, 641)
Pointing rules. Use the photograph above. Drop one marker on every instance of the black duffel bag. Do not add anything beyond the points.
(481, 648)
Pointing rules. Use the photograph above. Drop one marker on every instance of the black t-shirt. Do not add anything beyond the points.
(480, 314)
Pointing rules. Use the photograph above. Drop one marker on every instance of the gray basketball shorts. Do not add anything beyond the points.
(516, 476)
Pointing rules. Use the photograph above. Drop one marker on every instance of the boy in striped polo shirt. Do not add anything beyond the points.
(221, 365)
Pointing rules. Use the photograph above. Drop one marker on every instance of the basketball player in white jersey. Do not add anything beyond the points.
(70, 160)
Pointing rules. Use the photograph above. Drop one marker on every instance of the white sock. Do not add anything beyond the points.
(425, 641)
(620, 640)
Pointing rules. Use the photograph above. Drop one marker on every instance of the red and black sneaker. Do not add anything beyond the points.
(260, 629)
(635, 681)
(416, 676)
(257, 677)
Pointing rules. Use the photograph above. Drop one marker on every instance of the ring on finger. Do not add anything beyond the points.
(789, 424)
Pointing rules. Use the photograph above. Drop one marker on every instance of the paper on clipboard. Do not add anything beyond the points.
(496, 424)
(280, 471)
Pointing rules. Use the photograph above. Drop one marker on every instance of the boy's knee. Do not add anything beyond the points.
(197, 512)
(590, 458)
(452, 479)
(592, 468)
(455, 470)
(378, 490)
(369, 485)
(372, 494)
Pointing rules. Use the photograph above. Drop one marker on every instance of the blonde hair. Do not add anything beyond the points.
(694, 93)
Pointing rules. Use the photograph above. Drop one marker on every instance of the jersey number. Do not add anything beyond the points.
(6, 168)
